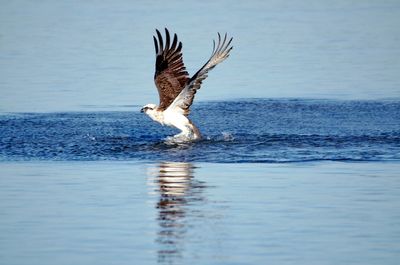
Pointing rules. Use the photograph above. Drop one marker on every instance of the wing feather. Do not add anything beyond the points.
(220, 52)
(170, 74)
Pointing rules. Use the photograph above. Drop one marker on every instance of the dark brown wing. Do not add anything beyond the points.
(170, 76)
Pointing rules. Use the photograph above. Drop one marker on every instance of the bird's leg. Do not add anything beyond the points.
(189, 132)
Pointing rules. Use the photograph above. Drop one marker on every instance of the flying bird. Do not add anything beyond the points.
(175, 88)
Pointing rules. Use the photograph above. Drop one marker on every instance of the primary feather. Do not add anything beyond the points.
(170, 74)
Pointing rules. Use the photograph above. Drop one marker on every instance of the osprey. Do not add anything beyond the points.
(175, 88)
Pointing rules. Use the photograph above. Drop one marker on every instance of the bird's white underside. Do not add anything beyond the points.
(173, 116)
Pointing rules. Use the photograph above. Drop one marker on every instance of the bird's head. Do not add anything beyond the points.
(148, 108)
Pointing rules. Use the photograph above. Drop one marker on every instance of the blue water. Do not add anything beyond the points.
(74, 55)
(234, 131)
(113, 212)
(300, 158)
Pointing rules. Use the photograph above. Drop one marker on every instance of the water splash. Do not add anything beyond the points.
(227, 136)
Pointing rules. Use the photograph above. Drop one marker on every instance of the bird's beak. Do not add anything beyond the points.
(142, 110)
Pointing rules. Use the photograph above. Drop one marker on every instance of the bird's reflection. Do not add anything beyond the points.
(178, 193)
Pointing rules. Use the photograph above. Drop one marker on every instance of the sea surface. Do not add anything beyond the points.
(128, 212)
(299, 161)
(272, 182)
(58, 56)
(251, 131)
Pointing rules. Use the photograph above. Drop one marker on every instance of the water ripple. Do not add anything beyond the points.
(286, 131)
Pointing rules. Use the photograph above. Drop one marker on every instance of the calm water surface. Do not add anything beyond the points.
(85, 55)
(199, 213)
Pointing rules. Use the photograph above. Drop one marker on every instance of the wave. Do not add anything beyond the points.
(291, 131)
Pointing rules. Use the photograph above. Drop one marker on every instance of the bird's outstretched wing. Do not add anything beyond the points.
(170, 74)
(185, 99)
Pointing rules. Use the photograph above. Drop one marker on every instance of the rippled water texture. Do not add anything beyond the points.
(234, 131)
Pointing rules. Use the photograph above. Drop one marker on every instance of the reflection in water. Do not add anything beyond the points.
(178, 194)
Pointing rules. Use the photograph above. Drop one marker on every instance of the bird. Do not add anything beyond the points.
(176, 89)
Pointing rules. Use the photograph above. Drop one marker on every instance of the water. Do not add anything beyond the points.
(264, 186)
(199, 213)
(300, 158)
(234, 131)
(79, 56)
